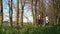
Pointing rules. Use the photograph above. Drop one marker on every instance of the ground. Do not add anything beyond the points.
(30, 29)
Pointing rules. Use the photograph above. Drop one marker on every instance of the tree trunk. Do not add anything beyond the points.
(17, 13)
(31, 1)
(10, 12)
(1, 12)
(56, 7)
(35, 12)
(22, 11)
(21, 18)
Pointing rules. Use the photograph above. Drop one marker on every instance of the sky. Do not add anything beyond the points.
(27, 12)
(6, 12)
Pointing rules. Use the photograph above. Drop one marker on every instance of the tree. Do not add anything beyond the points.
(34, 10)
(49, 10)
(17, 13)
(1, 12)
(31, 2)
(10, 11)
(42, 12)
(52, 10)
(22, 11)
(56, 5)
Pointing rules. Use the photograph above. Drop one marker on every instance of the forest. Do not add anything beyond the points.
(20, 16)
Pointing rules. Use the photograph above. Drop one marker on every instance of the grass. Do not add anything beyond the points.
(30, 29)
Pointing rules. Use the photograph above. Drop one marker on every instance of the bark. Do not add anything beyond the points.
(10, 11)
(56, 10)
(1, 12)
(22, 11)
(17, 13)
(35, 14)
(31, 1)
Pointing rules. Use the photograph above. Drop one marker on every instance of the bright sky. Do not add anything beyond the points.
(6, 11)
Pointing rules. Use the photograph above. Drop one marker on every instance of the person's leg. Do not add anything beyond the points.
(41, 23)
(38, 22)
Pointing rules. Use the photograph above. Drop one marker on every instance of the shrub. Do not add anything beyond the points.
(30, 29)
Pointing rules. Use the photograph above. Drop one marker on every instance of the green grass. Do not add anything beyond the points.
(30, 29)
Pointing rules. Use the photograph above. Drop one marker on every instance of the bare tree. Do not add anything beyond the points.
(56, 6)
(22, 11)
(31, 1)
(17, 13)
(10, 11)
(34, 10)
(1, 12)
